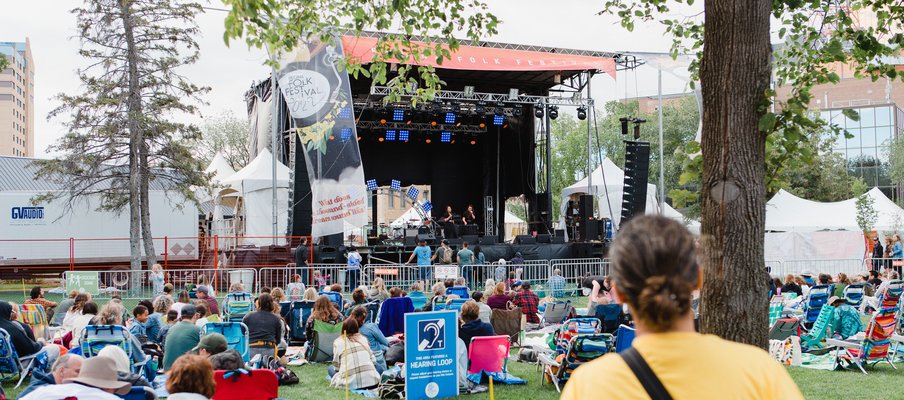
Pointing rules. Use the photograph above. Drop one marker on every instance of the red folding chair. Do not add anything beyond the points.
(258, 384)
(488, 354)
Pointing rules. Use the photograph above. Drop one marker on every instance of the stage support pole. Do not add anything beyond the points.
(590, 190)
(661, 145)
(500, 233)
(274, 124)
(548, 222)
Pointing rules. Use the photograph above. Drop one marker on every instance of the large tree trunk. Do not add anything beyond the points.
(136, 138)
(149, 251)
(734, 77)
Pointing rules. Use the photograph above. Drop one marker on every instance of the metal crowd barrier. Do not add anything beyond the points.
(395, 275)
(129, 284)
(832, 267)
(328, 273)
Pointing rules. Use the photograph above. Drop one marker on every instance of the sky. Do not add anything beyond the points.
(230, 70)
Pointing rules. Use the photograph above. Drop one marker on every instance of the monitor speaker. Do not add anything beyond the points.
(428, 237)
(585, 206)
(590, 230)
(471, 239)
(525, 239)
(544, 238)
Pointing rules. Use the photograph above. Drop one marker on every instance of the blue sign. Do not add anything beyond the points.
(28, 212)
(431, 355)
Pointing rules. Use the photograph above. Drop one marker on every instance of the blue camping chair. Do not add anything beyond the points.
(236, 334)
(610, 315)
(373, 311)
(455, 304)
(237, 305)
(11, 364)
(460, 291)
(96, 337)
(334, 297)
(418, 299)
(140, 393)
(298, 317)
(624, 336)
(819, 295)
(853, 294)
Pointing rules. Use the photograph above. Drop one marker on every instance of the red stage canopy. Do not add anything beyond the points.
(476, 58)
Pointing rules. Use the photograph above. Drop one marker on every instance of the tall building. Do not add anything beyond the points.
(17, 100)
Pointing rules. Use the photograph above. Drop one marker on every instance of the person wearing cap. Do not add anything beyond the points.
(215, 348)
(181, 337)
(212, 306)
(846, 321)
(65, 367)
(528, 302)
(422, 254)
(97, 380)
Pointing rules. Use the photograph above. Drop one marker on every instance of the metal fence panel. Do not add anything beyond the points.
(832, 267)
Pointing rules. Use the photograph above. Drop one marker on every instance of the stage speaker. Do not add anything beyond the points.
(558, 240)
(469, 230)
(637, 169)
(429, 237)
(585, 207)
(544, 238)
(525, 239)
(471, 239)
(410, 241)
(560, 232)
(590, 230)
(331, 240)
(488, 240)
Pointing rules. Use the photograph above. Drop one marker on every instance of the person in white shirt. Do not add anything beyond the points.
(97, 380)
(353, 268)
(485, 310)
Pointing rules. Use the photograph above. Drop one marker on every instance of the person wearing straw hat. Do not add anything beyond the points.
(97, 380)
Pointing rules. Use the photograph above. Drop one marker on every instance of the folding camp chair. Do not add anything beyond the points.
(236, 334)
(624, 336)
(455, 304)
(334, 297)
(611, 315)
(236, 306)
(574, 327)
(392, 315)
(555, 312)
(140, 393)
(581, 349)
(96, 337)
(488, 354)
(320, 347)
(784, 328)
(813, 338)
(876, 342)
(258, 384)
(460, 291)
(11, 364)
(298, 318)
(35, 316)
(418, 299)
(853, 294)
(819, 295)
(776, 305)
(507, 322)
(373, 311)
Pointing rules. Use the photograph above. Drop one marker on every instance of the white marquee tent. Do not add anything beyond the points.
(254, 184)
(614, 182)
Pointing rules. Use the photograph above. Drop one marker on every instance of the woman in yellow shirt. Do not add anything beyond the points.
(655, 271)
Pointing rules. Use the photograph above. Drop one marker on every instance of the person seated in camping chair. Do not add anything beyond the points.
(846, 319)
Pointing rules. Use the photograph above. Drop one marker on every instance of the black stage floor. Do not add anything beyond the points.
(492, 252)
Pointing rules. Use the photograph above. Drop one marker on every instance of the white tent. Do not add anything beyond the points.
(254, 184)
(220, 169)
(614, 185)
(514, 226)
(786, 212)
(410, 216)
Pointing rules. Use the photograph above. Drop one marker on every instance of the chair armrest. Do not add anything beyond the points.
(841, 343)
(545, 359)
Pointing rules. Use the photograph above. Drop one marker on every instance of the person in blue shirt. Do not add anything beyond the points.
(897, 251)
(465, 263)
(423, 254)
(353, 267)
(138, 328)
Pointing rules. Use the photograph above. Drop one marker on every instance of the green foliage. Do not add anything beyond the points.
(815, 35)
(4, 63)
(895, 154)
(866, 213)
(225, 134)
(279, 25)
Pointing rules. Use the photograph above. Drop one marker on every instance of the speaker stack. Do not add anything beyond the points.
(637, 169)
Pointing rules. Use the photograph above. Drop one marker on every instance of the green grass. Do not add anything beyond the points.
(883, 382)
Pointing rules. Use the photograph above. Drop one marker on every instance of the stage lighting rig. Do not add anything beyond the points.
(500, 108)
(582, 113)
(480, 109)
(553, 112)
(637, 122)
(538, 110)
(624, 125)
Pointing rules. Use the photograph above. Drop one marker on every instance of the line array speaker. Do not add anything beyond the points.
(637, 169)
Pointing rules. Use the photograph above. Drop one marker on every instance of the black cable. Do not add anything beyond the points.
(599, 151)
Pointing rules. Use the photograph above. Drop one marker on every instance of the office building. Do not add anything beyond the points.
(17, 99)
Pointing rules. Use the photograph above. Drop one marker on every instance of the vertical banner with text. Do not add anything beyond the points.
(319, 99)
(431, 355)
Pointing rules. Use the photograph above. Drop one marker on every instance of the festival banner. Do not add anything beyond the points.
(431, 355)
(319, 100)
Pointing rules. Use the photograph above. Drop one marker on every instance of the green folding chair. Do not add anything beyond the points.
(813, 338)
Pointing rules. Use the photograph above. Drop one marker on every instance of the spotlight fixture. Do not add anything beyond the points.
(403, 135)
(473, 142)
(516, 112)
(398, 114)
(624, 125)
(498, 119)
(637, 122)
(553, 112)
(445, 137)
(500, 108)
(582, 113)
(450, 118)
(538, 110)
(480, 108)
(345, 134)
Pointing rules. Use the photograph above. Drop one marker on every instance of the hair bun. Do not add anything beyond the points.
(663, 299)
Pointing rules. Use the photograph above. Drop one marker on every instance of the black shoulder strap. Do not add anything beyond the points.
(645, 375)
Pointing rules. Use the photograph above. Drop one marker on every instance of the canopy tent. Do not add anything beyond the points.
(609, 179)
(220, 169)
(254, 184)
(786, 212)
(410, 216)
(514, 226)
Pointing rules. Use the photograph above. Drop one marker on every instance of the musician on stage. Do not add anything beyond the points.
(469, 218)
(448, 217)
(448, 222)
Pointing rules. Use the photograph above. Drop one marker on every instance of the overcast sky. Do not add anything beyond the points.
(229, 71)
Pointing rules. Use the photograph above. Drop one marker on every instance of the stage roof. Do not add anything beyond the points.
(504, 65)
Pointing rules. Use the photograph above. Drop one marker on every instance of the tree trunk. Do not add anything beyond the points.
(136, 138)
(734, 77)
(149, 251)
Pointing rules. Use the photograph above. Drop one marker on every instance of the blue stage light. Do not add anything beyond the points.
(403, 136)
(498, 119)
(413, 192)
(445, 137)
(398, 114)
(345, 112)
(345, 134)
(391, 134)
(427, 206)
(450, 118)
(395, 185)
(371, 184)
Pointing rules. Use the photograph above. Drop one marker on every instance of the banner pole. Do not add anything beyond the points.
(273, 138)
